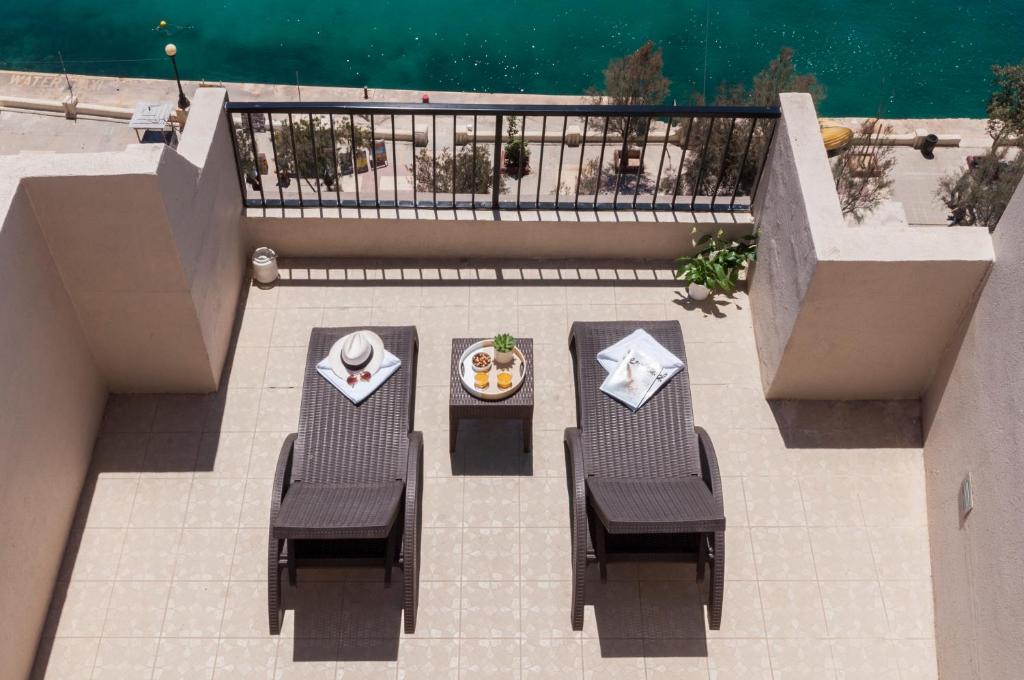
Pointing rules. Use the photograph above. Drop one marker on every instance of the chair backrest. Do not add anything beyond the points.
(656, 441)
(339, 441)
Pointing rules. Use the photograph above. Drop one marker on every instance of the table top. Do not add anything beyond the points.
(150, 116)
(461, 397)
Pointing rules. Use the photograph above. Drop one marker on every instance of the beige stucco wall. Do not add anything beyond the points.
(52, 398)
(974, 423)
(843, 313)
(547, 235)
(147, 241)
(120, 272)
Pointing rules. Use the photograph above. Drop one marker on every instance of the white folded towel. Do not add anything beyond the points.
(364, 388)
(640, 340)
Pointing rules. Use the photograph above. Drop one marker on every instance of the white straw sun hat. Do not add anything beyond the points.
(357, 352)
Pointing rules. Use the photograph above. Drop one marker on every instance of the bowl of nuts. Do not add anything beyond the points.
(481, 362)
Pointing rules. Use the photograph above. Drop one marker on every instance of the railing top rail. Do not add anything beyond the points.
(408, 108)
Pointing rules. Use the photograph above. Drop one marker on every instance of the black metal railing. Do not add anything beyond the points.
(327, 156)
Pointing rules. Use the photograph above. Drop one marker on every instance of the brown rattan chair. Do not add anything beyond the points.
(644, 482)
(350, 481)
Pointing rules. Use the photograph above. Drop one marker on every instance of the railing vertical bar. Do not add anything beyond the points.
(661, 163)
(334, 158)
(764, 161)
(623, 158)
(238, 159)
(561, 154)
(600, 161)
(682, 163)
(316, 165)
(643, 154)
(277, 166)
(725, 159)
(352, 150)
(540, 163)
(703, 163)
(256, 163)
(455, 150)
(743, 163)
(473, 179)
(373, 162)
(394, 157)
(522, 159)
(579, 173)
(295, 160)
(499, 122)
(415, 192)
(433, 172)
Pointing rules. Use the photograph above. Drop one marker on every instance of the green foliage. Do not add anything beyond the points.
(780, 75)
(517, 154)
(464, 173)
(243, 144)
(295, 147)
(503, 342)
(978, 194)
(1006, 103)
(632, 80)
(718, 261)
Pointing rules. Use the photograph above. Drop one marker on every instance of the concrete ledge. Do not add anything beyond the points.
(60, 106)
(849, 313)
(488, 234)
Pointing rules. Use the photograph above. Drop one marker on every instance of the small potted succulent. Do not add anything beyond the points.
(717, 263)
(503, 346)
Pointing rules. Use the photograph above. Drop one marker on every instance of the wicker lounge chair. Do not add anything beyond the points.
(644, 482)
(351, 479)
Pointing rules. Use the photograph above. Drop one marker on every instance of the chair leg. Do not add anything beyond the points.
(601, 547)
(716, 586)
(292, 575)
(702, 555)
(274, 608)
(389, 553)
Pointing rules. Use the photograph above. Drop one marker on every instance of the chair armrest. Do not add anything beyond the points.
(574, 471)
(282, 476)
(414, 470)
(709, 465)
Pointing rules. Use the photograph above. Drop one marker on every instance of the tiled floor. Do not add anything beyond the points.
(827, 569)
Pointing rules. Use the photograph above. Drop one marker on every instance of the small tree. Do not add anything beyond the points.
(727, 152)
(517, 154)
(979, 193)
(465, 172)
(1006, 103)
(863, 171)
(244, 147)
(634, 79)
(297, 156)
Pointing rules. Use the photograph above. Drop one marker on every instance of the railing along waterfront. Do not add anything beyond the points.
(326, 156)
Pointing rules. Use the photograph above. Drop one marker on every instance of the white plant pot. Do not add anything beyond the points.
(698, 292)
(503, 358)
(264, 266)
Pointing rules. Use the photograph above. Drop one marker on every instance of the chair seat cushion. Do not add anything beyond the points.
(339, 511)
(653, 506)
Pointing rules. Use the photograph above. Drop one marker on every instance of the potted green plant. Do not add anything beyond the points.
(717, 263)
(516, 154)
(503, 346)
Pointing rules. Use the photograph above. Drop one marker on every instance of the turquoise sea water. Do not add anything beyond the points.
(907, 58)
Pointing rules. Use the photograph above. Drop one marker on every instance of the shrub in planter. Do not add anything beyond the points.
(717, 263)
(516, 153)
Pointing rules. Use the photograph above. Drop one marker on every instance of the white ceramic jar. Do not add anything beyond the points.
(264, 265)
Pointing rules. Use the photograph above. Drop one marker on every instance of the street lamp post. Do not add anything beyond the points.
(170, 50)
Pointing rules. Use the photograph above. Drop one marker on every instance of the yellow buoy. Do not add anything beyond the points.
(163, 24)
(836, 138)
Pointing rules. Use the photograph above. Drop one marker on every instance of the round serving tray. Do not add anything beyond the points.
(492, 392)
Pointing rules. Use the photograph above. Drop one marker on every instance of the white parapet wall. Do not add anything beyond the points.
(118, 272)
(842, 313)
